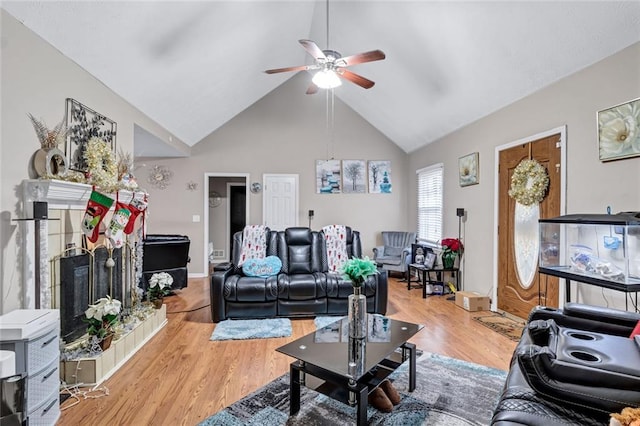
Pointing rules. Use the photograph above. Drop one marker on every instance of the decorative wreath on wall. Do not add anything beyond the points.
(102, 166)
(160, 177)
(529, 183)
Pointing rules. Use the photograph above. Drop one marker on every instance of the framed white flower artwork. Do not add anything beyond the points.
(619, 131)
(468, 169)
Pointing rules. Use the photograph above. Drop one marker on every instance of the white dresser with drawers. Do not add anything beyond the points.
(34, 336)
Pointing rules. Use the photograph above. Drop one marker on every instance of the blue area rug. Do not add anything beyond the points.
(449, 392)
(252, 329)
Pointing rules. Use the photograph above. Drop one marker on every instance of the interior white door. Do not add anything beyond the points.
(280, 201)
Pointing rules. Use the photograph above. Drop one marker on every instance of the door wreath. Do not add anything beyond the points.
(529, 183)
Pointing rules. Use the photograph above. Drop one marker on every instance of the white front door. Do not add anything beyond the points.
(280, 201)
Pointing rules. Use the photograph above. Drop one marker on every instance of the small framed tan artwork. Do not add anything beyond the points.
(619, 131)
(468, 169)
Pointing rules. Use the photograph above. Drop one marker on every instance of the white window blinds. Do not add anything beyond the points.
(430, 203)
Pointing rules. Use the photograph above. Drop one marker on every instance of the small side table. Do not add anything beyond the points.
(425, 272)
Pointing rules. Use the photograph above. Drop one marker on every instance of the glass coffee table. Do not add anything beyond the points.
(348, 369)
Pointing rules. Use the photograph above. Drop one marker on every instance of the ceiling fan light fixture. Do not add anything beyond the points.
(326, 79)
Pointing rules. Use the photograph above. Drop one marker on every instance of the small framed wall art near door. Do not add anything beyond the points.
(468, 169)
(618, 131)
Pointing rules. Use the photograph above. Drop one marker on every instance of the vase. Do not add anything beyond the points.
(157, 303)
(448, 259)
(106, 342)
(357, 314)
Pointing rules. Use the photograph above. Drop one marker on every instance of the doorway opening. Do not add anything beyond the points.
(226, 207)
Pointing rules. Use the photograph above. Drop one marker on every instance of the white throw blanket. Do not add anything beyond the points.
(254, 243)
(336, 242)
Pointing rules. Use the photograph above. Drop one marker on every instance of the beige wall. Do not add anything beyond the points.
(36, 79)
(591, 184)
(285, 132)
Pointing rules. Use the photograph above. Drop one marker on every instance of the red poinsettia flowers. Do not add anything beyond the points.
(452, 245)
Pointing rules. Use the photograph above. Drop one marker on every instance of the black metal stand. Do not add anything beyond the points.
(36, 241)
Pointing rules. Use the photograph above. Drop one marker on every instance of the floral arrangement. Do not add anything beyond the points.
(159, 285)
(103, 169)
(49, 138)
(452, 245)
(357, 270)
(103, 316)
(529, 183)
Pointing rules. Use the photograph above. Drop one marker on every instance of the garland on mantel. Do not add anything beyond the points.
(529, 183)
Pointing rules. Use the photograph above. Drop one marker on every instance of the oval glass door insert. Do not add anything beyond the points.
(526, 242)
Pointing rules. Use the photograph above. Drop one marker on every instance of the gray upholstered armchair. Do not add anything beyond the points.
(395, 252)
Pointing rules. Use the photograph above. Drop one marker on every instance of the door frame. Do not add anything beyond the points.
(205, 203)
(228, 235)
(562, 130)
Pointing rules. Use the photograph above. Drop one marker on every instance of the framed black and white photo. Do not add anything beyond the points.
(354, 176)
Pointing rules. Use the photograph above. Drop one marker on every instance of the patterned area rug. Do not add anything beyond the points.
(252, 329)
(502, 324)
(449, 392)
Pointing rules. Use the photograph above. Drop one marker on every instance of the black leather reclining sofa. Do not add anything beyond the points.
(572, 366)
(304, 287)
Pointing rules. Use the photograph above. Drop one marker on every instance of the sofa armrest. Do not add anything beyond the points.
(218, 312)
(590, 318)
(382, 292)
(223, 266)
(378, 251)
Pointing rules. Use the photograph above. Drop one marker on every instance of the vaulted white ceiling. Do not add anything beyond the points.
(194, 65)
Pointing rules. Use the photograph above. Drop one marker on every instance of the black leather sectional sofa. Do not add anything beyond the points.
(572, 366)
(304, 287)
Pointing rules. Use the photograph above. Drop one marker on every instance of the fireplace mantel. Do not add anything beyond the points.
(60, 194)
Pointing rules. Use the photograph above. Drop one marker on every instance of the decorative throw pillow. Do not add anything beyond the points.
(336, 244)
(254, 240)
(270, 265)
(636, 330)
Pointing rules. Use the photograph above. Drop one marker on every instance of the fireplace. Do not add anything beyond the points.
(84, 278)
(71, 278)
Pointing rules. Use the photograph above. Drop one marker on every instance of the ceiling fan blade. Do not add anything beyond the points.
(313, 49)
(300, 68)
(374, 55)
(312, 89)
(355, 78)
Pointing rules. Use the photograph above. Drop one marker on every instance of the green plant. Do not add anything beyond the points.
(103, 316)
(357, 270)
(159, 285)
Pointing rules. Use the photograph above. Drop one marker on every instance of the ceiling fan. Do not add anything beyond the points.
(331, 65)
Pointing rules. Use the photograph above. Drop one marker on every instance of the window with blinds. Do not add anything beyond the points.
(430, 203)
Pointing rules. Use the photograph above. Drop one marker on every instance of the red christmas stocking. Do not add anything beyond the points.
(97, 208)
(137, 206)
(115, 230)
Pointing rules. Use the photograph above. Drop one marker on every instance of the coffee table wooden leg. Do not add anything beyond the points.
(294, 388)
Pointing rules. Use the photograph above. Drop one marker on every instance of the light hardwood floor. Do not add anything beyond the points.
(181, 377)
